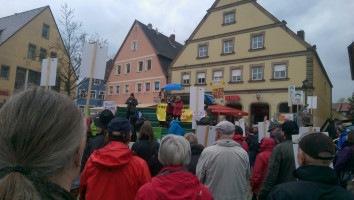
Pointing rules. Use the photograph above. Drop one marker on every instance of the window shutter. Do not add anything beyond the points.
(201, 75)
(279, 68)
(236, 72)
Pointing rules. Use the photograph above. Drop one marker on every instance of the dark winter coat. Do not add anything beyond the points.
(281, 167)
(196, 149)
(92, 145)
(253, 147)
(314, 183)
(131, 104)
(261, 164)
(345, 160)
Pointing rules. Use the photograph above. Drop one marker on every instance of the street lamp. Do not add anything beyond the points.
(304, 88)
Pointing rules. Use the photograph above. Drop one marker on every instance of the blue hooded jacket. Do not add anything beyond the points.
(176, 128)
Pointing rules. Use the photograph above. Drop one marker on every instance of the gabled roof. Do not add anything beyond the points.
(11, 24)
(341, 107)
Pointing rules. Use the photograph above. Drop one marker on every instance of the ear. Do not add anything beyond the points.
(301, 157)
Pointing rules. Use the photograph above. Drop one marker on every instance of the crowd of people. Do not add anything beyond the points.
(44, 155)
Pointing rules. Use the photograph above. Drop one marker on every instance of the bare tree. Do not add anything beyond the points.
(73, 39)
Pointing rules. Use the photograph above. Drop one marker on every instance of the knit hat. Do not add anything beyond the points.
(120, 125)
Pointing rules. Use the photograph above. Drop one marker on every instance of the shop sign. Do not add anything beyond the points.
(232, 98)
(4, 92)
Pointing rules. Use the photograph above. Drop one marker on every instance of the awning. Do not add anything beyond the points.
(224, 110)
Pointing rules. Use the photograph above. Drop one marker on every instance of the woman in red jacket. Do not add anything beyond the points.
(261, 165)
(174, 181)
(177, 110)
(238, 137)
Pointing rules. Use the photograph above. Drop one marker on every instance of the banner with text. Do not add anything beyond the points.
(217, 89)
(186, 116)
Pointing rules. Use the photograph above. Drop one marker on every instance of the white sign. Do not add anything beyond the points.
(100, 61)
(312, 101)
(263, 130)
(202, 131)
(298, 98)
(196, 99)
(303, 130)
(291, 93)
(241, 124)
(110, 105)
(52, 72)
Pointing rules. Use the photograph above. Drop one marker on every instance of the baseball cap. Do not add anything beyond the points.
(317, 145)
(120, 125)
(225, 127)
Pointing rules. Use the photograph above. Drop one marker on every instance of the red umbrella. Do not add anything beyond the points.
(224, 110)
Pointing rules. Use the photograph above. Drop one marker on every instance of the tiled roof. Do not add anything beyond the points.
(11, 24)
(341, 107)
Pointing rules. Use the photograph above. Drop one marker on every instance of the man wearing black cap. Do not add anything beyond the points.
(316, 180)
(114, 172)
(281, 165)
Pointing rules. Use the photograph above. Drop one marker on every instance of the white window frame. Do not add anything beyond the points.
(93, 94)
(115, 90)
(142, 66)
(146, 87)
(203, 51)
(125, 86)
(126, 67)
(217, 75)
(257, 73)
(137, 88)
(102, 95)
(228, 46)
(82, 108)
(118, 70)
(155, 86)
(110, 90)
(186, 81)
(96, 81)
(201, 80)
(279, 70)
(146, 64)
(229, 17)
(237, 77)
(134, 45)
(257, 41)
(7, 72)
(82, 93)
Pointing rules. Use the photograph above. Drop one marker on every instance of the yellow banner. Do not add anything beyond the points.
(217, 87)
(186, 116)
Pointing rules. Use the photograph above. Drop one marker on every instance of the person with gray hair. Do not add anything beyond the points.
(224, 167)
(174, 181)
(42, 138)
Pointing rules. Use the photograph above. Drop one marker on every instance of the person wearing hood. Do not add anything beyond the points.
(238, 137)
(176, 128)
(114, 172)
(174, 181)
(224, 167)
(196, 149)
(261, 165)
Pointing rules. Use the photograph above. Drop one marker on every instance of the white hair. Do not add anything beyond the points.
(174, 151)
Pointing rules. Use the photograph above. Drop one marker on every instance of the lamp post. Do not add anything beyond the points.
(304, 88)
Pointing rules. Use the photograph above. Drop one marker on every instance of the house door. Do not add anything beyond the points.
(258, 112)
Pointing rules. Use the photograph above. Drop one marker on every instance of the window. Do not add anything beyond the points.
(134, 45)
(101, 95)
(127, 68)
(45, 31)
(31, 51)
(4, 73)
(185, 79)
(148, 65)
(117, 89)
(228, 46)
(217, 75)
(147, 87)
(82, 108)
(236, 75)
(34, 78)
(82, 93)
(156, 86)
(53, 54)
(229, 17)
(42, 54)
(203, 51)
(201, 78)
(20, 78)
(139, 87)
(257, 73)
(257, 42)
(96, 81)
(140, 66)
(126, 89)
(118, 68)
(110, 90)
(93, 94)
(279, 71)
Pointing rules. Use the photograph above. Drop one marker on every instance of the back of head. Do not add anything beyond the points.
(146, 132)
(289, 128)
(238, 130)
(225, 128)
(174, 151)
(192, 138)
(119, 129)
(40, 136)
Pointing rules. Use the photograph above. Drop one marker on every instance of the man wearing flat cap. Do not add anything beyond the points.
(224, 166)
(316, 180)
(275, 133)
(114, 172)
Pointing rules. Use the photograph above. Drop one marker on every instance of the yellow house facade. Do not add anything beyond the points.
(256, 56)
(25, 40)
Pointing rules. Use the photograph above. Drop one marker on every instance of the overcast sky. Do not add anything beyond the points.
(328, 24)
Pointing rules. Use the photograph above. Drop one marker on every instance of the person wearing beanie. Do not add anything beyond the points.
(315, 179)
(282, 162)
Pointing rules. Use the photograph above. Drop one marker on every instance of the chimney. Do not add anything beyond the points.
(172, 38)
(150, 26)
(301, 34)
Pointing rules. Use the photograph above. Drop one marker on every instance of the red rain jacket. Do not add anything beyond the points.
(174, 186)
(261, 164)
(177, 110)
(113, 172)
(240, 139)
